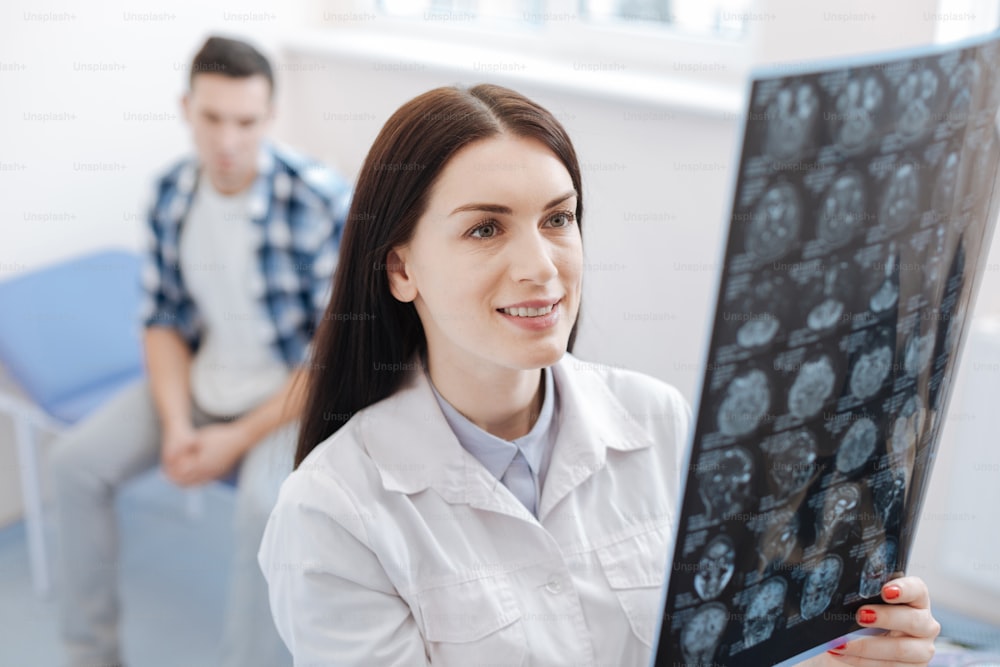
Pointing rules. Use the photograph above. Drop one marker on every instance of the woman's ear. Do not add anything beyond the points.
(401, 283)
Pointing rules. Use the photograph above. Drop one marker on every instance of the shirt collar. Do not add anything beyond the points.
(496, 453)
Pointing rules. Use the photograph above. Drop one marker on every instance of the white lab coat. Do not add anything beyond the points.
(392, 545)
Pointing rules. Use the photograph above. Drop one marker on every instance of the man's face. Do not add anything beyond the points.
(228, 117)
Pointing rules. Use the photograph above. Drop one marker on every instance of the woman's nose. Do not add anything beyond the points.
(531, 258)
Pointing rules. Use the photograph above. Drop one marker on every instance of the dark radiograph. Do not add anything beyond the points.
(775, 223)
(858, 107)
(821, 584)
(724, 481)
(715, 568)
(700, 635)
(792, 457)
(915, 102)
(857, 445)
(843, 210)
(901, 199)
(862, 201)
(838, 515)
(791, 119)
(747, 400)
(813, 385)
(767, 600)
(880, 565)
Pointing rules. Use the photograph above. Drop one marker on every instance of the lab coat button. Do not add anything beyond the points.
(553, 586)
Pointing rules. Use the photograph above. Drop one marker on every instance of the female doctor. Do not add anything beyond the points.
(467, 492)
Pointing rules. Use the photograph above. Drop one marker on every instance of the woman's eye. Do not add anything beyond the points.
(486, 230)
(561, 220)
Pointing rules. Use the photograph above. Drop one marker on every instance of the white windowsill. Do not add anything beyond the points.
(389, 51)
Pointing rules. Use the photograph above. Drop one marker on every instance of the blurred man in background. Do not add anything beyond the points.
(242, 246)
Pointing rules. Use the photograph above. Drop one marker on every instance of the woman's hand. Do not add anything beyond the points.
(907, 617)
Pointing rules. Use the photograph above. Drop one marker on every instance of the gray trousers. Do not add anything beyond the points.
(89, 465)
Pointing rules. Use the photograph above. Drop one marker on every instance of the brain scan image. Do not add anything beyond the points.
(878, 568)
(888, 496)
(857, 445)
(934, 274)
(701, 634)
(887, 294)
(917, 353)
(907, 427)
(901, 199)
(715, 568)
(981, 165)
(811, 388)
(858, 106)
(961, 84)
(843, 210)
(778, 541)
(764, 304)
(830, 310)
(792, 457)
(821, 584)
(792, 115)
(724, 481)
(870, 370)
(837, 515)
(775, 223)
(946, 187)
(767, 600)
(758, 331)
(915, 101)
(747, 400)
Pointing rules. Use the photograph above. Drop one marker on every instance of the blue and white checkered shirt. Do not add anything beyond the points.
(298, 208)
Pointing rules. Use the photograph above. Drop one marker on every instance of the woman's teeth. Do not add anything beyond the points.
(528, 312)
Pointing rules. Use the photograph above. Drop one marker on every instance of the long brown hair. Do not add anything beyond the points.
(368, 339)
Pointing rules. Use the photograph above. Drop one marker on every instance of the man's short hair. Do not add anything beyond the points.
(232, 58)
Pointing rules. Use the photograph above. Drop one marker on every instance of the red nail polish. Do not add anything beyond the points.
(867, 616)
(891, 592)
(839, 648)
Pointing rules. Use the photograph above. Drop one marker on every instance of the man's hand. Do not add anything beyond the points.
(217, 448)
(179, 443)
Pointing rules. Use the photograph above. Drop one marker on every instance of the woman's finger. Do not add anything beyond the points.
(910, 591)
(905, 619)
(885, 651)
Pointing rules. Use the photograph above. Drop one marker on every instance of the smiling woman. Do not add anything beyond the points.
(466, 491)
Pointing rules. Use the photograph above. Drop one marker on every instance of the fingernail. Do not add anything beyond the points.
(839, 648)
(891, 592)
(867, 616)
(832, 652)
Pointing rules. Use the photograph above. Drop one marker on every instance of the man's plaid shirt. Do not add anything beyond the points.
(298, 209)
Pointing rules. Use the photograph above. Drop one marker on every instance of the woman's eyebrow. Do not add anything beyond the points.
(499, 209)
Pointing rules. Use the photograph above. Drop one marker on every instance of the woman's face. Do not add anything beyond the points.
(495, 263)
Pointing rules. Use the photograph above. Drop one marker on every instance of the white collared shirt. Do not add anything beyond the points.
(392, 545)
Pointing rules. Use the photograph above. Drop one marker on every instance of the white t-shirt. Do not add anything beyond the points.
(235, 368)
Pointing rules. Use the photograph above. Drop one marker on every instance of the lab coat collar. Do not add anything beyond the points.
(414, 449)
